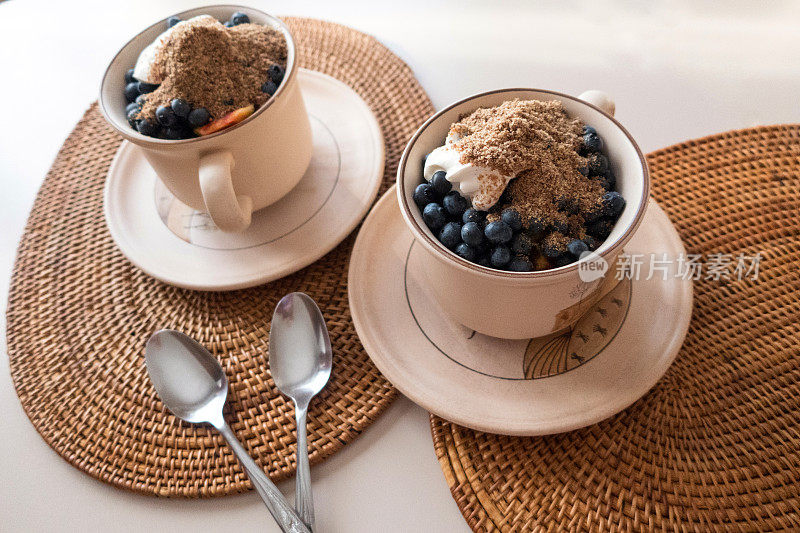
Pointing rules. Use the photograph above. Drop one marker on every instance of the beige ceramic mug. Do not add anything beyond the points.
(231, 173)
(521, 305)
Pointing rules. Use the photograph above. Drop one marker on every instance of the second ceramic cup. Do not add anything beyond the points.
(522, 305)
(231, 173)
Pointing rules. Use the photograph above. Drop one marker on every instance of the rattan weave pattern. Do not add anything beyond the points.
(79, 314)
(715, 446)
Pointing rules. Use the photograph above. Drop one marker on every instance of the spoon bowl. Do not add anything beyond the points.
(300, 354)
(199, 393)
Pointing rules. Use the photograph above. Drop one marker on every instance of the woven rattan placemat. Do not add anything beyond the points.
(79, 315)
(716, 444)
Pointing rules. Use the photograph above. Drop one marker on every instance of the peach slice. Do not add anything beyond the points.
(225, 121)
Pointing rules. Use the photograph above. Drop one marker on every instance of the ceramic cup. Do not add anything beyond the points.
(233, 172)
(518, 305)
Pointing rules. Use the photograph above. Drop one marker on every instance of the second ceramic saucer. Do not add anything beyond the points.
(182, 247)
(609, 359)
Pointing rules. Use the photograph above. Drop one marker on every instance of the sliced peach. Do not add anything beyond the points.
(225, 121)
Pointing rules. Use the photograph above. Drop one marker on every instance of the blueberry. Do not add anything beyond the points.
(172, 21)
(145, 87)
(576, 247)
(440, 183)
(129, 76)
(434, 216)
(269, 87)
(473, 215)
(141, 99)
(521, 244)
(613, 203)
(592, 142)
(520, 264)
(498, 232)
(600, 229)
(148, 127)
(450, 235)
(131, 114)
(165, 116)
(455, 204)
(500, 257)
(199, 117)
(484, 261)
(131, 91)
(130, 107)
(536, 225)
(180, 107)
(589, 129)
(228, 24)
(551, 250)
(275, 73)
(563, 260)
(239, 18)
(561, 226)
(176, 133)
(472, 234)
(598, 164)
(512, 218)
(611, 179)
(568, 205)
(594, 212)
(591, 242)
(467, 252)
(424, 194)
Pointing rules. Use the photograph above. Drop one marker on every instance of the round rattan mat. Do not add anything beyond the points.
(79, 315)
(716, 444)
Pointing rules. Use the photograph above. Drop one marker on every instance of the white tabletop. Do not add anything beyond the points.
(676, 69)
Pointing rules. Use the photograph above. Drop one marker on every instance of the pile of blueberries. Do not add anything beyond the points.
(179, 119)
(508, 243)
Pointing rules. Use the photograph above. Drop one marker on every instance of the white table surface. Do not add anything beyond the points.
(677, 70)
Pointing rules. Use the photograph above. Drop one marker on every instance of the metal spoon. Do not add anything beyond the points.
(192, 384)
(300, 359)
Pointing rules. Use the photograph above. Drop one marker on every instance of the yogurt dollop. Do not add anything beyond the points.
(141, 71)
(481, 185)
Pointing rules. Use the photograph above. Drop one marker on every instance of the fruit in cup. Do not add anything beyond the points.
(234, 117)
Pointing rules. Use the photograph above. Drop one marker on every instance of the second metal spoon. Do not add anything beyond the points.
(300, 359)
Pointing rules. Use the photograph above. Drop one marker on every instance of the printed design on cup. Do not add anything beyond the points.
(563, 351)
(603, 315)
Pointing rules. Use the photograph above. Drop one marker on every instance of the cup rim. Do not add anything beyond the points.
(448, 256)
(291, 71)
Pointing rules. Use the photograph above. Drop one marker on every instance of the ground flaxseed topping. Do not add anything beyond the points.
(218, 68)
(539, 144)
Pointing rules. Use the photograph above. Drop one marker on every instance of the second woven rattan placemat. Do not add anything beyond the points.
(79, 315)
(716, 444)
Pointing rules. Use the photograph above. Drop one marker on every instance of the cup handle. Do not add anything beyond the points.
(599, 99)
(229, 212)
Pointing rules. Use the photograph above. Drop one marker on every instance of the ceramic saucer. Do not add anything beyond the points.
(182, 247)
(610, 358)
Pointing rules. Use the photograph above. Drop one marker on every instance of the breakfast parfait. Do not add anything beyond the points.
(201, 76)
(520, 187)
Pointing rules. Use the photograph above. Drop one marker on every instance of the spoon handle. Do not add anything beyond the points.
(304, 500)
(278, 507)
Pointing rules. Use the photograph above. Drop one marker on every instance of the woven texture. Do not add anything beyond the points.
(79, 315)
(715, 445)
